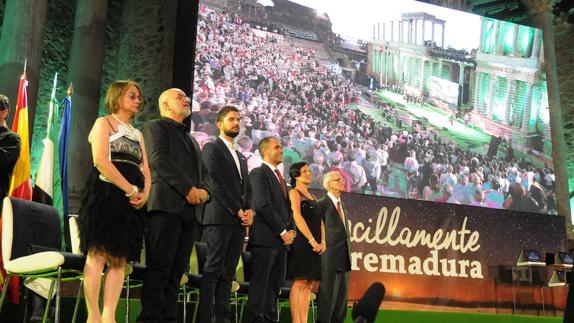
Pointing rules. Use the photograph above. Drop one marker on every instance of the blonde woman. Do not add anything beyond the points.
(110, 219)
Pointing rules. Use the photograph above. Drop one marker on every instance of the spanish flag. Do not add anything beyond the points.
(21, 184)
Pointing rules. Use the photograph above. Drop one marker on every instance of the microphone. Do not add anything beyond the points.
(366, 309)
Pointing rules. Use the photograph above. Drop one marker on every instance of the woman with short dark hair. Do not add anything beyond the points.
(304, 263)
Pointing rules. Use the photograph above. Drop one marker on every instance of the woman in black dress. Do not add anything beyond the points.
(304, 265)
(110, 220)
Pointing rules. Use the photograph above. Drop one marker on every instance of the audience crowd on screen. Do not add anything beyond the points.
(285, 91)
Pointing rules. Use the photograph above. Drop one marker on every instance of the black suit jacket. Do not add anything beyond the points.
(338, 254)
(9, 154)
(229, 191)
(175, 163)
(273, 210)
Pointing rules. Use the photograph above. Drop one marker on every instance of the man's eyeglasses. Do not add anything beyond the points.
(133, 97)
(340, 180)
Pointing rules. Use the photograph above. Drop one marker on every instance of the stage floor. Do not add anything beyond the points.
(13, 313)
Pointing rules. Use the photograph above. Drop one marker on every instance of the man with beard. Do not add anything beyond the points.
(225, 218)
(174, 202)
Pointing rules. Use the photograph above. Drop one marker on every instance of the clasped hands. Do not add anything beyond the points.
(137, 198)
(196, 196)
(246, 216)
(319, 248)
(288, 237)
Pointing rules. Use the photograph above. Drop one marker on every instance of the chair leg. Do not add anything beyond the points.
(241, 310)
(196, 307)
(236, 308)
(184, 304)
(77, 304)
(49, 302)
(4, 290)
(128, 299)
(278, 310)
(313, 311)
(58, 295)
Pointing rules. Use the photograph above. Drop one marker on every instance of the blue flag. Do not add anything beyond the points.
(63, 140)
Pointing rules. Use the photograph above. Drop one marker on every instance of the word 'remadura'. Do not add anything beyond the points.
(385, 232)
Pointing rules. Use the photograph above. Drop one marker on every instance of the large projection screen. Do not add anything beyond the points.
(434, 116)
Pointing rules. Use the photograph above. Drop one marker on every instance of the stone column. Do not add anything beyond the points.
(509, 99)
(374, 33)
(422, 75)
(515, 41)
(491, 84)
(440, 68)
(392, 31)
(378, 30)
(482, 32)
(387, 67)
(384, 31)
(461, 81)
(499, 42)
(432, 32)
(416, 29)
(536, 44)
(541, 12)
(86, 61)
(442, 37)
(477, 91)
(423, 31)
(21, 40)
(526, 115)
(412, 31)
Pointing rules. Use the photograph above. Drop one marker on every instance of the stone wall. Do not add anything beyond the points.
(146, 49)
(139, 46)
(57, 41)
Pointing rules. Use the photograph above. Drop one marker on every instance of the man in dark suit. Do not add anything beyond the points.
(9, 149)
(272, 230)
(336, 262)
(175, 198)
(225, 218)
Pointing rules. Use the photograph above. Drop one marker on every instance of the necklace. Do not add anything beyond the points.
(126, 129)
(121, 122)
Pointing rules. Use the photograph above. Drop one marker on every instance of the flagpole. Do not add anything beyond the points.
(70, 90)
(52, 98)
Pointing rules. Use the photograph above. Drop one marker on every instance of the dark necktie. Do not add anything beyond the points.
(282, 182)
(340, 210)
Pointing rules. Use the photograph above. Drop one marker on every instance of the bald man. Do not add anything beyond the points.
(175, 199)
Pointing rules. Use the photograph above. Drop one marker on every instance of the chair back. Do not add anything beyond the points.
(26, 223)
(193, 261)
(74, 234)
(239, 271)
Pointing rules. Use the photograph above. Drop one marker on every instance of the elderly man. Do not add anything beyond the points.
(175, 199)
(336, 262)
